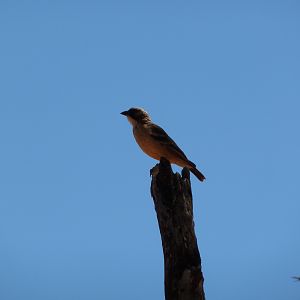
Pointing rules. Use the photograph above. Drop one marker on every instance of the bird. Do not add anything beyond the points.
(155, 142)
(297, 278)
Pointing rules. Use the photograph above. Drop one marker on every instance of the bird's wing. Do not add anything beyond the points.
(161, 136)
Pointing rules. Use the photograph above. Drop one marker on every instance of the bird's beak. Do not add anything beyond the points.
(124, 113)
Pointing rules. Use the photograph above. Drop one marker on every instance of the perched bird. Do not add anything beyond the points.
(155, 142)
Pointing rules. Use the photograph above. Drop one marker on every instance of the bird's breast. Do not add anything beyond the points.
(147, 143)
(155, 148)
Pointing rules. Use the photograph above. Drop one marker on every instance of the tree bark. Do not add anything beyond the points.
(173, 202)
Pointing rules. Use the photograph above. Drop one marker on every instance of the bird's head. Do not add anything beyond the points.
(136, 115)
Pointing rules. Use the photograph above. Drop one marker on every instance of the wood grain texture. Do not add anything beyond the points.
(174, 207)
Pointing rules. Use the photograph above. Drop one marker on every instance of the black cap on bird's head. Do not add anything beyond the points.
(137, 114)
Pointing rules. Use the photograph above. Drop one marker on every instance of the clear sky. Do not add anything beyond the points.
(223, 79)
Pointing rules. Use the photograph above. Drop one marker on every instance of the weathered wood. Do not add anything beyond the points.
(173, 202)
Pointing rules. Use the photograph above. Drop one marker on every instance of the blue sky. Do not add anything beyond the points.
(222, 77)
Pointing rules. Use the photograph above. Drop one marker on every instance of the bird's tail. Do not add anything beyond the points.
(196, 172)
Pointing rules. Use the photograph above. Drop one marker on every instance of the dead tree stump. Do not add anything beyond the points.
(173, 202)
